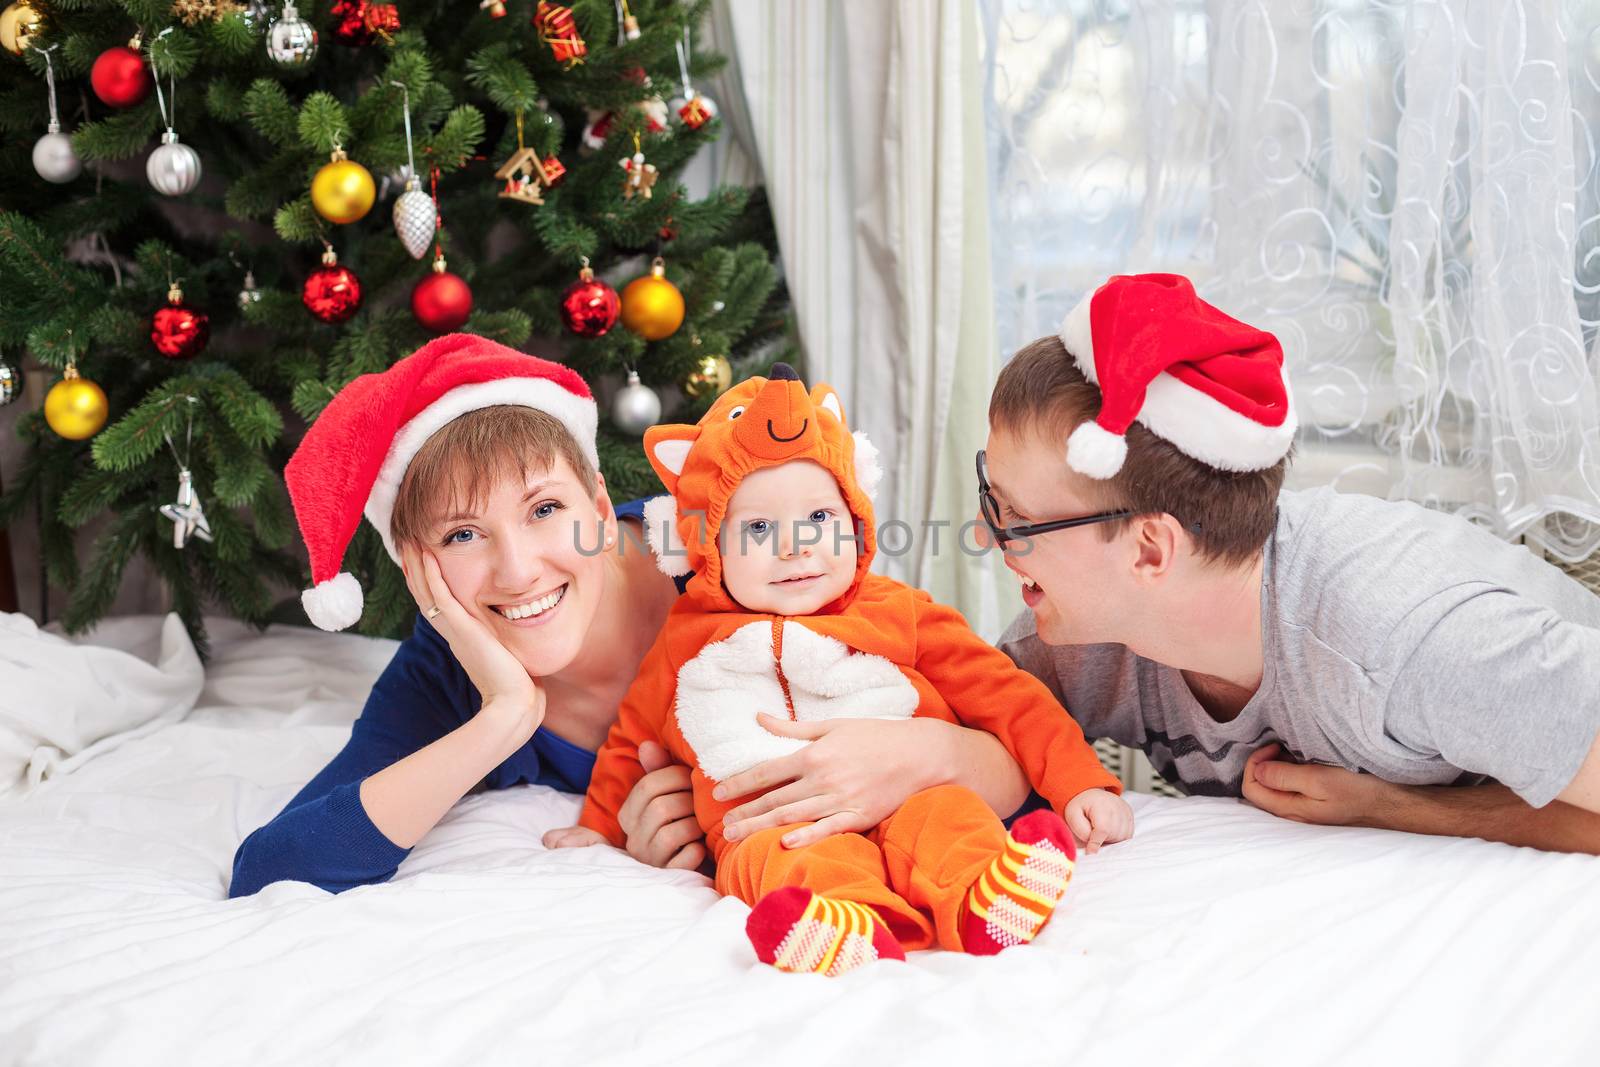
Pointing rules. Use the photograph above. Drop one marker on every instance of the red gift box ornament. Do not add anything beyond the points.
(697, 111)
(558, 30)
(383, 21)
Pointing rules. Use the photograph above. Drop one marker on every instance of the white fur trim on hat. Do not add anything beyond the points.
(869, 472)
(334, 604)
(578, 414)
(1210, 431)
(1078, 335)
(1095, 451)
(661, 534)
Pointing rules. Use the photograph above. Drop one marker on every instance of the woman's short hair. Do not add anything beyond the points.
(459, 466)
(1041, 391)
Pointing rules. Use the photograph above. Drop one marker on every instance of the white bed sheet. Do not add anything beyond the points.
(1218, 935)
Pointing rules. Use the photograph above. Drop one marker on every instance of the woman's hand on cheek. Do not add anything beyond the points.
(501, 679)
(853, 775)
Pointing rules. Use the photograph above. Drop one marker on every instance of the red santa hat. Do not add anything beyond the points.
(354, 456)
(1210, 384)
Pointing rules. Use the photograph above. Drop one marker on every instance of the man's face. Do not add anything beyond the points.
(1072, 580)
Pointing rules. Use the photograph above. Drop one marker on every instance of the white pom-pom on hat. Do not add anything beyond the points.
(334, 604)
(1095, 451)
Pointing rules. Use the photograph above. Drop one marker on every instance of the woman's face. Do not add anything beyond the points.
(531, 563)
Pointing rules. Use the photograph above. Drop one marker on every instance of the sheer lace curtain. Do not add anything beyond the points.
(1406, 193)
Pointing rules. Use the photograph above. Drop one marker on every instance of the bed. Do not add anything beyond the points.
(1218, 935)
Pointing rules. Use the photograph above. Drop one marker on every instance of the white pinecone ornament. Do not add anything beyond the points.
(415, 219)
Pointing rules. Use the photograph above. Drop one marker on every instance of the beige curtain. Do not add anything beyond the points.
(867, 120)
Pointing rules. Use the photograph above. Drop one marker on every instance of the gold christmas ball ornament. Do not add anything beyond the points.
(710, 377)
(343, 190)
(75, 407)
(19, 22)
(652, 307)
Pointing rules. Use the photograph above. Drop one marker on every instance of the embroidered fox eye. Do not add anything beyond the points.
(736, 412)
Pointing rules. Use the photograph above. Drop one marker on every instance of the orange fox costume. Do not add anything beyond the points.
(882, 649)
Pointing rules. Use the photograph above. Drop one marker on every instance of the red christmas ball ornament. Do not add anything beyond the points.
(441, 301)
(589, 307)
(120, 77)
(179, 332)
(332, 293)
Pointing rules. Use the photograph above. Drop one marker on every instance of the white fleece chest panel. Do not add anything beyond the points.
(728, 682)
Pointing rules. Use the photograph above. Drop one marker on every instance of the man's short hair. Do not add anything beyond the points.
(1042, 392)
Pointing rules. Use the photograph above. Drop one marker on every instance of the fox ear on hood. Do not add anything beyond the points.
(667, 448)
(826, 399)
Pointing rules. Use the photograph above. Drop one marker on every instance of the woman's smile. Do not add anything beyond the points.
(534, 611)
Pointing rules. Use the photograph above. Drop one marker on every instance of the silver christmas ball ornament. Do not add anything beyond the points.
(174, 167)
(415, 219)
(291, 40)
(54, 158)
(636, 407)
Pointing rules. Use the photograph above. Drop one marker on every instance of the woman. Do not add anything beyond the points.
(477, 465)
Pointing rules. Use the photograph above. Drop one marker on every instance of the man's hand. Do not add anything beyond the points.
(658, 815)
(1099, 817)
(852, 776)
(1313, 793)
(1333, 796)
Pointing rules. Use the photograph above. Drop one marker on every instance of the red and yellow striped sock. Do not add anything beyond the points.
(799, 931)
(1013, 899)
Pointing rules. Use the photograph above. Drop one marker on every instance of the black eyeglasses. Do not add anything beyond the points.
(1004, 534)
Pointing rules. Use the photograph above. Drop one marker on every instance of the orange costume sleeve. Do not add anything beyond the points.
(616, 766)
(988, 691)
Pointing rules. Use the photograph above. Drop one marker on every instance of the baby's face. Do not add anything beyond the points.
(788, 540)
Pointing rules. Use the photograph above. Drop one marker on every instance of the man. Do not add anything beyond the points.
(1332, 658)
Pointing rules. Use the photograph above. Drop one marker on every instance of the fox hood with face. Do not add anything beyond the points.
(759, 423)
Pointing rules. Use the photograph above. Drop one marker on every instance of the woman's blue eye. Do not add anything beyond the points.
(821, 515)
(458, 537)
(546, 509)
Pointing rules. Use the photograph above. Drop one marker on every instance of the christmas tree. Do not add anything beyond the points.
(220, 288)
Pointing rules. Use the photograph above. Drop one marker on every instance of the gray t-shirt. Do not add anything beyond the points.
(1399, 641)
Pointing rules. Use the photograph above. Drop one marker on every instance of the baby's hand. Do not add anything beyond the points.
(573, 837)
(1099, 817)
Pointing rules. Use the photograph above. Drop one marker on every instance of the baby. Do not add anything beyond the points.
(770, 512)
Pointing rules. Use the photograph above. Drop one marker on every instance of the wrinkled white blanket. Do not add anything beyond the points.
(1218, 935)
